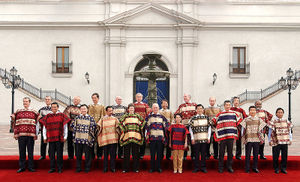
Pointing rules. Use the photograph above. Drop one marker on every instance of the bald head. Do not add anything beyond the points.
(155, 108)
(212, 101)
(76, 100)
(187, 98)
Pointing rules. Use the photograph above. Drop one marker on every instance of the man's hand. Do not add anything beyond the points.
(16, 138)
(261, 143)
(35, 137)
(193, 142)
(185, 145)
(170, 146)
(65, 140)
(45, 141)
(208, 141)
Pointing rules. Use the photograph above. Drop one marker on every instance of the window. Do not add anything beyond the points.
(239, 60)
(62, 63)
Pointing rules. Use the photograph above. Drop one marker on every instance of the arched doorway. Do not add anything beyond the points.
(141, 81)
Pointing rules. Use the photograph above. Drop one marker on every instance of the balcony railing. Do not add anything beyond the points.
(62, 68)
(238, 69)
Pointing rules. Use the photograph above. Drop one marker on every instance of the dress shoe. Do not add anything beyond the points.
(31, 170)
(230, 170)
(276, 171)
(20, 170)
(136, 171)
(195, 170)
(150, 171)
(60, 171)
(247, 171)
(105, 170)
(51, 171)
(284, 171)
(220, 170)
(204, 170)
(175, 172)
(42, 158)
(113, 170)
(255, 170)
(238, 158)
(78, 170)
(159, 170)
(263, 157)
(124, 171)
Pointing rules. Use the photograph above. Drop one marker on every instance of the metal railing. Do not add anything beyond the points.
(236, 69)
(62, 68)
(262, 94)
(38, 92)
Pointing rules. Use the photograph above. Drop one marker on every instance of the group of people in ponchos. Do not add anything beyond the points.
(124, 131)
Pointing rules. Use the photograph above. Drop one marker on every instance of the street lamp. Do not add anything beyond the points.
(214, 78)
(291, 82)
(13, 81)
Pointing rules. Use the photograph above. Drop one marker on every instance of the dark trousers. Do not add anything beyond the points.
(283, 148)
(97, 151)
(200, 148)
(156, 148)
(80, 148)
(249, 147)
(110, 150)
(143, 149)
(70, 145)
(190, 147)
(43, 147)
(261, 149)
(134, 148)
(56, 147)
(215, 147)
(238, 145)
(120, 151)
(168, 152)
(26, 142)
(227, 143)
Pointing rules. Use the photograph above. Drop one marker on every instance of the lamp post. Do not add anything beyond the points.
(12, 81)
(214, 78)
(291, 82)
(87, 77)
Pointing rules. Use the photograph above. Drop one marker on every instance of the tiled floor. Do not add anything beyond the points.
(9, 146)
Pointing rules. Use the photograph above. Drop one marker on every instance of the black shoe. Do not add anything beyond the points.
(78, 170)
(238, 158)
(276, 171)
(31, 170)
(113, 170)
(124, 171)
(151, 171)
(231, 170)
(255, 170)
(220, 170)
(204, 170)
(159, 170)
(193, 158)
(136, 171)
(105, 170)
(247, 171)
(20, 170)
(284, 171)
(59, 171)
(51, 171)
(263, 157)
(195, 170)
(42, 158)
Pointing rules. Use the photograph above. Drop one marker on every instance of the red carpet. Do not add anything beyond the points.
(9, 165)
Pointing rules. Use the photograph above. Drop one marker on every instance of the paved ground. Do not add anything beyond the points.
(9, 146)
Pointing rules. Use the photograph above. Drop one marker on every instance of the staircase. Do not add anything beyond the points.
(263, 94)
(38, 93)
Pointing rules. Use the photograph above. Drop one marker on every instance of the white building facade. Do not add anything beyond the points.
(249, 44)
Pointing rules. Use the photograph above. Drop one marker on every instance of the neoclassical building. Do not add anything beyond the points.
(247, 44)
